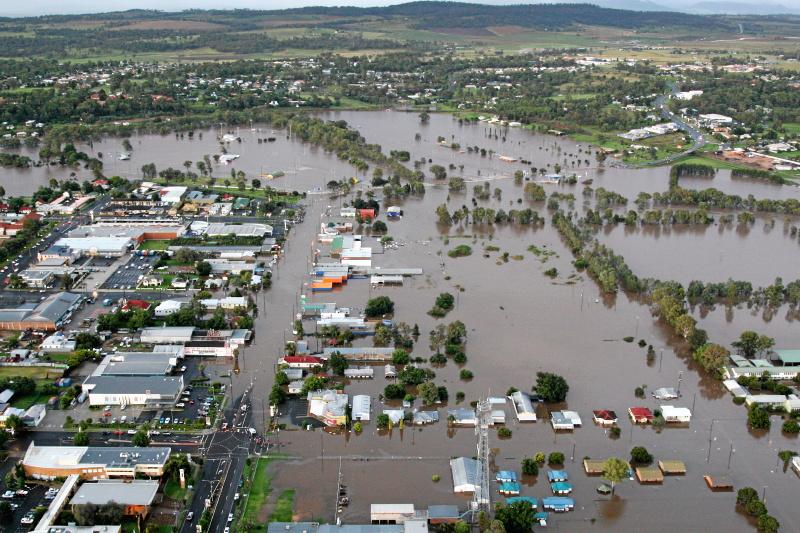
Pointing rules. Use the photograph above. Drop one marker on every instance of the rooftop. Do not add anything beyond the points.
(154, 385)
(137, 492)
(68, 456)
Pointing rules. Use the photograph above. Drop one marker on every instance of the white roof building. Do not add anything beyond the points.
(168, 307)
(676, 414)
(96, 245)
(361, 407)
(172, 195)
(57, 343)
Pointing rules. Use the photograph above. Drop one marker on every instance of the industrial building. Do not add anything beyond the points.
(149, 391)
(361, 407)
(47, 315)
(218, 229)
(465, 474)
(94, 462)
(92, 246)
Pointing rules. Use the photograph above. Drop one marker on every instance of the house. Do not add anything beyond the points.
(676, 414)
(361, 407)
(363, 372)
(533, 502)
(150, 281)
(640, 415)
(443, 514)
(130, 305)
(389, 372)
(295, 387)
(604, 417)
(94, 462)
(229, 302)
(565, 420)
(523, 407)
(672, 466)
(136, 496)
(395, 415)
(57, 343)
(561, 488)
(329, 406)
(666, 393)
(300, 361)
(649, 475)
(557, 475)
(423, 418)
(167, 307)
(179, 283)
(462, 417)
(34, 415)
(509, 489)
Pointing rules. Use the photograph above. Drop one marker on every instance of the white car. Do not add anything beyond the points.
(230, 517)
(27, 519)
(183, 369)
(180, 404)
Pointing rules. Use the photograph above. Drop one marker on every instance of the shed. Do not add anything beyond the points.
(465, 474)
(559, 504)
(509, 489)
(718, 483)
(505, 476)
(561, 487)
(672, 467)
(523, 407)
(423, 418)
(559, 421)
(666, 393)
(593, 467)
(649, 474)
(361, 407)
(527, 499)
(6, 395)
(557, 475)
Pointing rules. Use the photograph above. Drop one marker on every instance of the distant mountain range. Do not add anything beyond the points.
(701, 7)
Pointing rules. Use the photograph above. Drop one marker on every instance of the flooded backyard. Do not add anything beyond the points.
(519, 321)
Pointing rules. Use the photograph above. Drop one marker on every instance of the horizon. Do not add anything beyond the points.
(35, 8)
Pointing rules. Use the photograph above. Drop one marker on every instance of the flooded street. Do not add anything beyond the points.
(519, 321)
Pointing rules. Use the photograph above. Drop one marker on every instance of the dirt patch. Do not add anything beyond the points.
(172, 25)
(469, 32)
(747, 158)
(507, 30)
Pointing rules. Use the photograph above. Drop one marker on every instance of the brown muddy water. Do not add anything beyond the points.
(519, 322)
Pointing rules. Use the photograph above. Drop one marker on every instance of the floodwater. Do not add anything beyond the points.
(519, 322)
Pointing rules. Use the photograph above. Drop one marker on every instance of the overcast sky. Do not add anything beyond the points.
(11, 8)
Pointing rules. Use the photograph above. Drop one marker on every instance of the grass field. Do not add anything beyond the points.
(283, 507)
(259, 492)
(33, 372)
(154, 245)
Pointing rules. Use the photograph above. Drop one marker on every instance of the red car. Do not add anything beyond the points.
(107, 413)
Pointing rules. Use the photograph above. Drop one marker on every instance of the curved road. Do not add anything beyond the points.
(698, 141)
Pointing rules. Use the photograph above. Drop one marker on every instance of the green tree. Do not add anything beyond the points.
(530, 467)
(379, 227)
(461, 527)
(711, 356)
(400, 357)
(640, 455)
(379, 306)
(383, 421)
(313, 383)
(555, 458)
(428, 392)
(516, 518)
(424, 117)
(551, 387)
(614, 471)
(393, 391)
(141, 439)
(751, 343)
(204, 268)
(758, 417)
(745, 495)
(81, 438)
(337, 363)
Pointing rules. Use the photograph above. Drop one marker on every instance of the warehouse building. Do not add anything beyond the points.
(94, 246)
(152, 392)
(218, 229)
(94, 462)
(47, 315)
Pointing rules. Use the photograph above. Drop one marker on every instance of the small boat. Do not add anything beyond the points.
(604, 488)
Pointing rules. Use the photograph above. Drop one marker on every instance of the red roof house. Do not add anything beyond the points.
(130, 305)
(640, 415)
(366, 214)
(605, 417)
(301, 361)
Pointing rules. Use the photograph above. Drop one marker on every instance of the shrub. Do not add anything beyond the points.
(738, 400)
(614, 432)
(376, 307)
(627, 339)
(555, 458)
(460, 358)
(504, 433)
(758, 417)
(746, 495)
(639, 392)
(462, 250)
(539, 458)
(357, 427)
(767, 524)
(551, 387)
(640, 455)
(465, 374)
(393, 391)
(460, 396)
(755, 508)
(400, 357)
(435, 478)
(551, 272)
(791, 426)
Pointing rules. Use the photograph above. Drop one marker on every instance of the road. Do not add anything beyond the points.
(698, 141)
